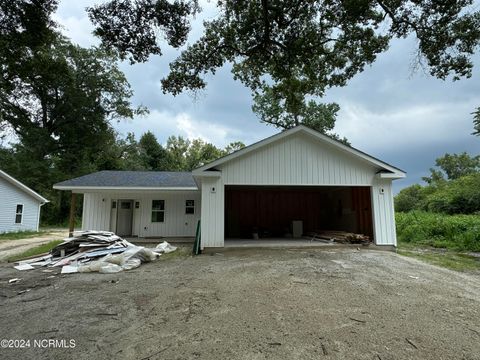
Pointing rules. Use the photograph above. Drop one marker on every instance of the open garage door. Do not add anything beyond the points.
(270, 211)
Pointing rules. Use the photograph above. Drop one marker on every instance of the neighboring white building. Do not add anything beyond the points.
(296, 175)
(19, 205)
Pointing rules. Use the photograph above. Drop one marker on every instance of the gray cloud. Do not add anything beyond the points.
(405, 118)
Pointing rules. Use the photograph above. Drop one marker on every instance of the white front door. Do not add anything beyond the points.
(124, 217)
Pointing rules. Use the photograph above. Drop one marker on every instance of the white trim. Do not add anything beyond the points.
(16, 214)
(23, 187)
(384, 175)
(152, 210)
(190, 207)
(38, 215)
(122, 188)
(203, 170)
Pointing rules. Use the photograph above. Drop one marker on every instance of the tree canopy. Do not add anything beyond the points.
(451, 167)
(294, 49)
(453, 187)
(57, 100)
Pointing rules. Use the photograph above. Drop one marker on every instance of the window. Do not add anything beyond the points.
(19, 214)
(137, 204)
(158, 211)
(114, 204)
(190, 207)
(126, 205)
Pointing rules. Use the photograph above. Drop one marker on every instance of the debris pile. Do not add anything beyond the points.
(340, 237)
(95, 251)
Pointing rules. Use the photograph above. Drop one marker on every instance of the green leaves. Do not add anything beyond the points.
(286, 107)
(454, 189)
(476, 122)
(131, 26)
(297, 48)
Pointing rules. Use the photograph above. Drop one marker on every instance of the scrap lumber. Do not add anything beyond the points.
(341, 236)
(100, 251)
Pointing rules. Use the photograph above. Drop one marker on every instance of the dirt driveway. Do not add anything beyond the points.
(276, 304)
(13, 247)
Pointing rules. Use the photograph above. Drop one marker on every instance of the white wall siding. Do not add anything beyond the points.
(213, 218)
(298, 160)
(383, 213)
(97, 212)
(10, 196)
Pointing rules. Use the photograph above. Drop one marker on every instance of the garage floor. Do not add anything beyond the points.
(282, 243)
(249, 304)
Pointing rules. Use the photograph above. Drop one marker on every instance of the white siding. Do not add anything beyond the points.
(383, 213)
(213, 218)
(97, 213)
(298, 160)
(10, 196)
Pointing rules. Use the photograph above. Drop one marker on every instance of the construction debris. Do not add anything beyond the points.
(340, 237)
(95, 251)
(24, 267)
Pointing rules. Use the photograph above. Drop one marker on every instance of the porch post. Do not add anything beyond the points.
(71, 223)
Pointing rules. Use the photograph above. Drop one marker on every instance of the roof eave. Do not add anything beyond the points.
(23, 187)
(124, 188)
(392, 176)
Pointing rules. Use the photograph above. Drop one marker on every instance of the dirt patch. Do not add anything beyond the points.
(10, 248)
(273, 304)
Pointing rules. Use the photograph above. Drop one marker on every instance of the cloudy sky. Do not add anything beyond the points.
(404, 117)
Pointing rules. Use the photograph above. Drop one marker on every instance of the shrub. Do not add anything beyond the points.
(460, 196)
(459, 232)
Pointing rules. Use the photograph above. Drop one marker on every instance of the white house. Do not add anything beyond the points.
(297, 175)
(19, 205)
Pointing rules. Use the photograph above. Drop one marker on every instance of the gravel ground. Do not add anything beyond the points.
(269, 304)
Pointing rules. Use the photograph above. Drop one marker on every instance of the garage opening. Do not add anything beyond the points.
(293, 211)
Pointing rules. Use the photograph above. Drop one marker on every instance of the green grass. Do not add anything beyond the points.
(440, 239)
(453, 232)
(17, 235)
(35, 251)
(448, 259)
(181, 252)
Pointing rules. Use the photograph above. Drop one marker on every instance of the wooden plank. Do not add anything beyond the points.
(71, 222)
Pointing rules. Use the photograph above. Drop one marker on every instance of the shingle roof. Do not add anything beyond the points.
(131, 179)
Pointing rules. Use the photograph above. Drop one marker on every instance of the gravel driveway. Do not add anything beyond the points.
(269, 304)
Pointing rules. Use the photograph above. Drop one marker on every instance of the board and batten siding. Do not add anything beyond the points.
(10, 196)
(213, 218)
(383, 213)
(297, 160)
(99, 215)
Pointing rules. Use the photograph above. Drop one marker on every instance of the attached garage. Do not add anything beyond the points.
(298, 179)
(271, 211)
(286, 186)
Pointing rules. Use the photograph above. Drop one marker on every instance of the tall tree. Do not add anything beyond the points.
(186, 155)
(452, 167)
(291, 46)
(57, 98)
(154, 156)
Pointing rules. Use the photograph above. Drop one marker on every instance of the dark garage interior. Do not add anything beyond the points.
(270, 210)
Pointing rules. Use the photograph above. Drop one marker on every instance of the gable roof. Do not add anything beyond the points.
(392, 170)
(22, 187)
(131, 180)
